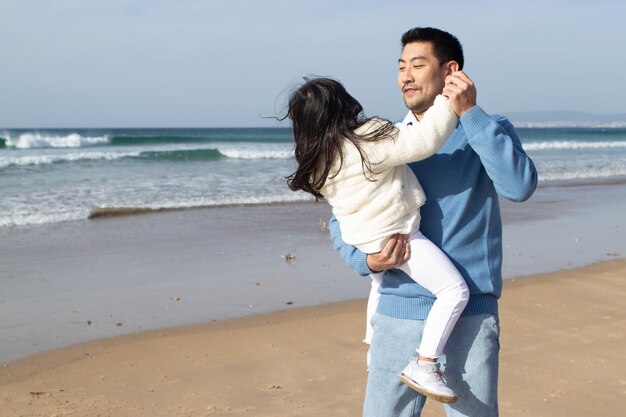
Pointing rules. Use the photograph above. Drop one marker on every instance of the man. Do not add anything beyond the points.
(483, 158)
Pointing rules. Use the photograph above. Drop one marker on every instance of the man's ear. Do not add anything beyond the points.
(451, 66)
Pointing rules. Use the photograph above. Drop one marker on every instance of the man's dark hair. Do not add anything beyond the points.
(446, 46)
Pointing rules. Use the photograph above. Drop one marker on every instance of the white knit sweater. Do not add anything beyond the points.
(369, 212)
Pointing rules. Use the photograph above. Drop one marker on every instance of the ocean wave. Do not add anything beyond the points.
(30, 160)
(269, 152)
(195, 203)
(243, 151)
(41, 140)
(583, 174)
(128, 140)
(32, 219)
(74, 138)
(183, 154)
(85, 213)
(167, 154)
(202, 135)
(101, 212)
(570, 144)
(569, 124)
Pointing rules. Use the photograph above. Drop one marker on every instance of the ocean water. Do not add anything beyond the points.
(54, 175)
(59, 175)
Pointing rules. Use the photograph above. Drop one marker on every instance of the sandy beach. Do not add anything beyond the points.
(203, 313)
(155, 262)
(562, 342)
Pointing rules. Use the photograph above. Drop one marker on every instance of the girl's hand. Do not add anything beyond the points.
(461, 92)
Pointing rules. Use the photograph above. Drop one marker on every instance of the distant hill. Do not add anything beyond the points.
(562, 118)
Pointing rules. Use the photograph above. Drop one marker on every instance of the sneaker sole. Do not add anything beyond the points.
(446, 399)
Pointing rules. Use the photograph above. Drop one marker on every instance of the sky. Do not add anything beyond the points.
(227, 63)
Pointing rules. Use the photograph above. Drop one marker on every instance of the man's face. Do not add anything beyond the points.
(420, 76)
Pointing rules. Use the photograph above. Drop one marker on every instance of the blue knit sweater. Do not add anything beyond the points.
(483, 158)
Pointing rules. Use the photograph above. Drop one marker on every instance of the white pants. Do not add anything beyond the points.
(432, 269)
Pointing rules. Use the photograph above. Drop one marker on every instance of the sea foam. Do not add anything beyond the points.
(56, 215)
(29, 160)
(588, 174)
(257, 151)
(39, 140)
(571, 144)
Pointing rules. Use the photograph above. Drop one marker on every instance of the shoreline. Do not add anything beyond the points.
(107, 212)
(99, 213)
(310, 361)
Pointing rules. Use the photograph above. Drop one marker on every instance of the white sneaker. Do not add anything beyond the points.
(427, 380)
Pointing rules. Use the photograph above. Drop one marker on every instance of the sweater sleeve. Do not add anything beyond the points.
(415, 142)
(500, 150)
(353, 257)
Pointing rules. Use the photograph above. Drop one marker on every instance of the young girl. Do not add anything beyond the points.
(359, 166)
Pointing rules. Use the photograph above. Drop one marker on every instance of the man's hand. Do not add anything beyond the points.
(461, 92)
(395, 253)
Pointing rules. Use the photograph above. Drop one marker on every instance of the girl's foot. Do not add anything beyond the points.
(427, 380)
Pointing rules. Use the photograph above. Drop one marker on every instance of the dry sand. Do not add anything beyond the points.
(562, 355)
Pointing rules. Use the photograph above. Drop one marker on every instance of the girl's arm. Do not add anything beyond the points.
(415, 142)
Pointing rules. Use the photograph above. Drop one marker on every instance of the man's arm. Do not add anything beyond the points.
(500, 150)
(495, 141)
(395, 253)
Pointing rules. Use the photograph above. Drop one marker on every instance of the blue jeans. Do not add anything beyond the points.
(469, 363)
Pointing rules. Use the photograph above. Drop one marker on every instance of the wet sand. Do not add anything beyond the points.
(72, 282)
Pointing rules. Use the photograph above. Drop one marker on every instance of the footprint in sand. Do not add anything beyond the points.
(272, 388)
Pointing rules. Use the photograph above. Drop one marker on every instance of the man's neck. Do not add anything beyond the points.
(418, 115)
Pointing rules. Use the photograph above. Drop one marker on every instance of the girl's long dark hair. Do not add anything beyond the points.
(323, 116)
